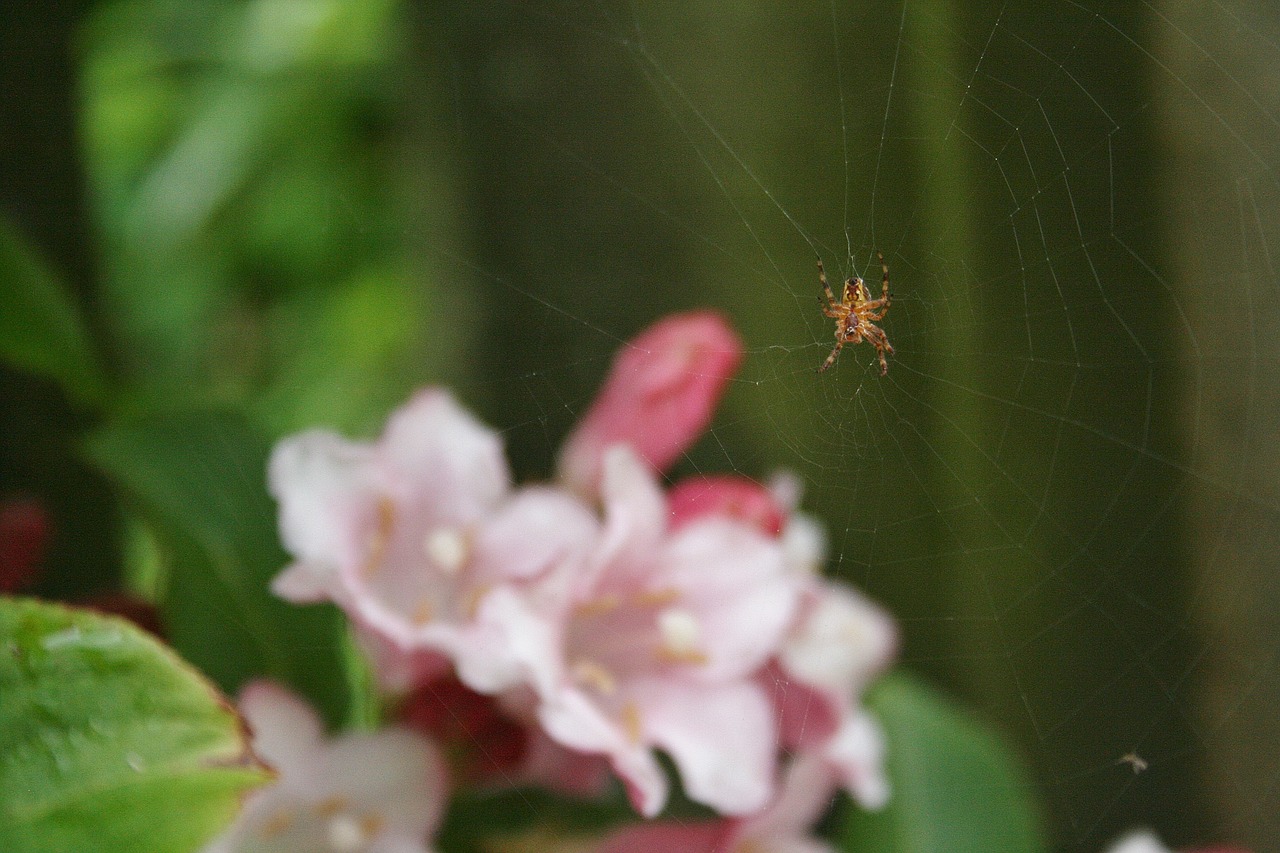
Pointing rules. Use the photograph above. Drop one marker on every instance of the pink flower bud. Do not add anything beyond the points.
(658, 397)
(725, 495)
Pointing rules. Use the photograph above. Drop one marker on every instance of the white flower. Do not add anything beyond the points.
(357, 793)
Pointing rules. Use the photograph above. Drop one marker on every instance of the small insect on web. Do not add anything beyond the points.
(854, 315)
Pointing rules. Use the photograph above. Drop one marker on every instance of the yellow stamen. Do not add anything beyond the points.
(474, 597)
(330, 806)
(596, 606)
(372, 824)
(278, 824)
(657, 597)
(691, 657)
(423, 613)
(381, 537)
(631, 722)
(592, 674)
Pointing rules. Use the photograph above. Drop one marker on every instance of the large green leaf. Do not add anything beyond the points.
(108, 741)
(41, 330)
(201, 478)
(956, 787)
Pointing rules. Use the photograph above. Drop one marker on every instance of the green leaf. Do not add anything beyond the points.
(41, 330)
(108, 741)
(201, 476)
(956, 786)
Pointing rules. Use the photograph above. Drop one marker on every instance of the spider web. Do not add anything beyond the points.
(1063, 487)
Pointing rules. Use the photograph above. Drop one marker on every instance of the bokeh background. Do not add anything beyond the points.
(272, 214)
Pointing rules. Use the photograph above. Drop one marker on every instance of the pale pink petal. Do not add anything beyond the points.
(305, 583)
(668, 837)
(804, 544)
(532, 533)
(575, 722)
(841, 641)
(732, 579)
(807, 717)
(804, 795)
(510, 643)
(635, 513)
(444, 457)
(658, 396)
(324, 484)
(721, 737)
(398, 669)
(394, 769)
(726, 495)
(286, 732)
(857, 753)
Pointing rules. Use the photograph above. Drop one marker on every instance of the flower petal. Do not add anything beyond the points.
(721, 737)
(574, 721)
(441, 455)
(840, 642)
(324, 485)
(658, 396)
(286, 732)
(531, 533)
(857, 753)
(635, 513)
(396, 770)
(803, 796)
(726, 495)
(733, 579)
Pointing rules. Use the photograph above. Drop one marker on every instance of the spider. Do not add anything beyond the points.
(854, 314)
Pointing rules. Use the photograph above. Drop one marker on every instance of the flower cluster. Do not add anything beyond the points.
(605, 616)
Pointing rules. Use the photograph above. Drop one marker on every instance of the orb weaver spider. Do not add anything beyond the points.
(854, 314)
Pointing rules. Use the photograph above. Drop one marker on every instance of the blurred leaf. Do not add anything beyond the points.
(109, 742)
(41, 330)
(202, 476)
(345, 356)
(956, 786)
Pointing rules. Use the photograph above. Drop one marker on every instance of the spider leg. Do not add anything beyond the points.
(826, 288)
(884, 284)
(880, 341)
(831, 359)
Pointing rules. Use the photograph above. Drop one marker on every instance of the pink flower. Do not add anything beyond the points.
(727, 495)
(658, 397)
(659, 646)
(357, 793)
(837, 644)
(409, 535)
(782, 827)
